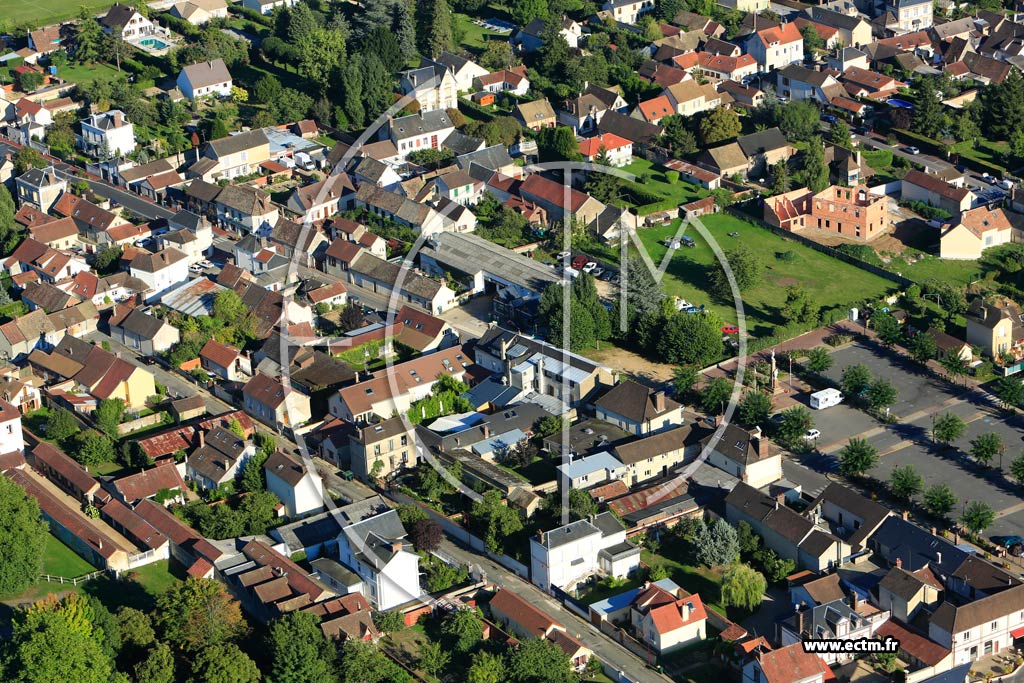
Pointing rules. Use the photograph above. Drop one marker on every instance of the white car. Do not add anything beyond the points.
(589, 267)
(812, 434)
(195, 268)
(562, 255)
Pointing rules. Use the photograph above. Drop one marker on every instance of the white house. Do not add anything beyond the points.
(979, 628)
(267, 6)
(666, 621)
(638, 409)
(205, 78)
(628, 11)
(565, 556)
(40, 187)
(373, 545)
(108, 134)
(127, 22)
(301, 490)
(618, 150)
(426, 130)
(776, 47)
(11, 437)
(199, 12)
(160, 271)
(748, 457)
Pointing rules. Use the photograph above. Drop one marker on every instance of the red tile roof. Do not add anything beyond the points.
(921, 647)
(219, 354)
(147, 483)
(787, 33)
(790, 663)
(553, 193)
(181, 438)
(591, 147)
(521, 612)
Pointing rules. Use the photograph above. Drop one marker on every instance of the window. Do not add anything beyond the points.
(995, 624)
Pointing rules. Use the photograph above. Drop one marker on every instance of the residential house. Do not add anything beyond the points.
(933, 191)
(225, 361)
(970, 233)
(432, 85)
(571, 554)
(748, 456)
(60, 469)
(464, 70)
(846, 58)
(853, 30)
(108, 134)
(149, 483)
(718, 67)
(267, 6)
(274, 403)
(904, 593)
(199, 12)
(221, 456)
(524, 620)
(246, 210)
(230, 157)
(627, 11)
(638, 409)
(981, 627)
(849, 515)
(127, 23)
(656, 455)
(93, 222)
(271, 585)
(186, 545)
(654, 110)
(552, 197)
(745, 6)
(784, 530)
(45, 40)
(666, 621)
(764, 149)
(833, 621)
(853, 212)
(382, 449)
(910, 15)
(104, 375)
(870, 84)
(690, 97)
(300, 490)
(535, 115)
(996, 327)
(160, 271)
(304, 245)
(422, 131)
(141, 331)
(512, 81)
(20, 388)
(615, 150)
(49, 265)
(40, 188)
(797, 82)
(532, 365)
(584, 113)
(205, 79)
(528, 38)
(373, 544)
(776, 47)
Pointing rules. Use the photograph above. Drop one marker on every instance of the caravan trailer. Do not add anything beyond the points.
(826, 398)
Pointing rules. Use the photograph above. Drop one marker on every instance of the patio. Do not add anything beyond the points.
(1001, 663)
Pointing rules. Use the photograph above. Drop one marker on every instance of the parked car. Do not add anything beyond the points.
(911, 150)
(195, 268)
(207, 264)
(1014, 544)
(148, 360)
(607, 275)
(688, 241)
(579, 262)
(730, 329)
(597, 272)
(562, 255)
(589, 267)
(828, 118)
(812, 434)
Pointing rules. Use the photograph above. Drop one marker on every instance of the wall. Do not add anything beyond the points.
(139, 423)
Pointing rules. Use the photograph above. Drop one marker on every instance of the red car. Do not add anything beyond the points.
(730, 329)
(579, 262)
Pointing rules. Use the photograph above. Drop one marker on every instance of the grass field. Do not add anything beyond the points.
(829, 281)
(86, 75)
(475, 37)
(944, 270)
(35, 13)
(60, 560)
(680, 192)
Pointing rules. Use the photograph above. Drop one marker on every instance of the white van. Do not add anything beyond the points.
(826, 398)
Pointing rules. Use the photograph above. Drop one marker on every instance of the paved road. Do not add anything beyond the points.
(604, 647)
(129, 200)
(933, 164)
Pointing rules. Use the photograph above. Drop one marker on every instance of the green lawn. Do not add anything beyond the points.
(933, 268)
(156, 578)
(60, 560)
(475, 37)
(679, 192)
(986, 150)
(829, 281)
(35, 13)
(85, 75)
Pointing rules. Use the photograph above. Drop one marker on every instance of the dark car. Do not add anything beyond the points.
(828, 118)
(1013, 544)
(149, 360)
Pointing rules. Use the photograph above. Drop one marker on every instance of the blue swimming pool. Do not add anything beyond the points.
(154, 44)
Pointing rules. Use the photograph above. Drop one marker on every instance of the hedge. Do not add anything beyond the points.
(937, 148)
(252, 15)
(654, 207)
(180, 26)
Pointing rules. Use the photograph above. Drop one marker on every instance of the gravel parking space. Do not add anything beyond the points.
(918, 390)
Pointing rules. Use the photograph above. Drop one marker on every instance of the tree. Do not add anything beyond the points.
(224, 663)
(939, 499)
(433, 659)
(716, 544)
(106, 260)
(775, 568)
(92, 448)
(929, 113)
(747, 540)
(954, 365)
(486, 668)
(298, 651)
(267, 89)
(781, 180)
(799, 120)
(558, 144)
(986, 447)
(90, 43)
(581, 504)
(1010, 391)
(978, 516)
(46, 646)
(254, 478)
(887, 328)
(795, 423)
(855, 380)
(923, 348)
(720, 124)
(61, 424)
(815, 169)
(363, 662)
(199, 613)
(747, 267)
(812, 41)
(905, 482)
(689, 339)
(23, 541)
(799, 307)
(755, 408)
(1017, 469)
(389, 622)
(819, 359)
(438, 34)
(109, 415)
(743, 586)
(839, 134)
(26, 158)
(683, 379)
(881, 394)
(538, 660)
(426, 535)
(525, 11)
(715, 395)
(462, 630)
(857, 457)
(947, 428)
(158, 666)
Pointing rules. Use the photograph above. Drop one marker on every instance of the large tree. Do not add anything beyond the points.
(363, 662)
(905, 482)
(939, 499)
(795, 423)
(525, 11)
(298, 651)
(1010, 391)
(90, 43)
(743, 586)
(986, 447)
(978, 516)
(199, 613)
(855, 380)
(24, 538)
(109, 415)
(857, 457)
(720, 124)
(486, 668)
(157, 666)
(225, 663)
(462, 630)
(715, 395)
(947, 428)
(437, 31)
(930, 117)
(755, 408)
(538, 660)
(716, 544)
(747, 266)
(690, 339)
(815, 171)
(49, 645)
(887, 328)
(881, 394)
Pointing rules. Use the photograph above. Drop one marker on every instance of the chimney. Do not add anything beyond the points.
(684, 611)
(938, 557)
(776, 503)
(396, 546)
(853, 600)
(906, 515)
(487, 430)
(503, 346)
(541, 380)
(761, 444)
(799, 617)
(647, 584)
(899, 563)
(780, 499)
(659, 401)
(933, 532)
(202, 437)
(540, 536)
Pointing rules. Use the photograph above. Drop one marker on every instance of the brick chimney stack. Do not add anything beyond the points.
(761, 444)
(202, 437)
(899, 563)
(659, 401)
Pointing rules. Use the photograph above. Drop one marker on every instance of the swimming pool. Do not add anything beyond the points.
(154, 44)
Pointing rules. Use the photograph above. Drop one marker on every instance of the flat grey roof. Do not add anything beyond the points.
(471, 254)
